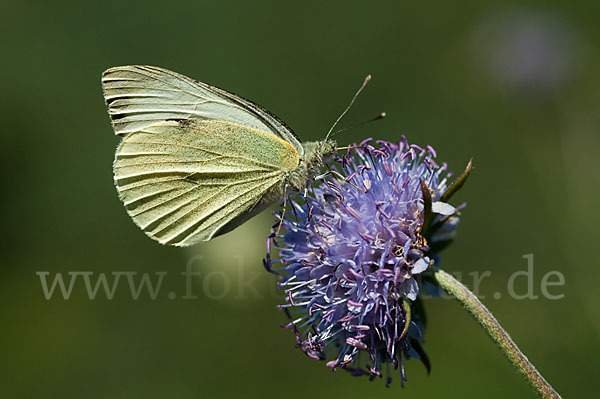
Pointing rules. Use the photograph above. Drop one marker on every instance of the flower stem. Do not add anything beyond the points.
(496, 332)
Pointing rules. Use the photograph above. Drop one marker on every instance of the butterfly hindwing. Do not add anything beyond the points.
(183, 181)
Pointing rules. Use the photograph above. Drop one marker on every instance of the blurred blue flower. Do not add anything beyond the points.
(527, 51)
(352, 250)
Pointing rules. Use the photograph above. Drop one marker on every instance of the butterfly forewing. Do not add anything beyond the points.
(140, 96)
(183, 181)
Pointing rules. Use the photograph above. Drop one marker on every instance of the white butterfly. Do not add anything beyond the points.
(197, 161)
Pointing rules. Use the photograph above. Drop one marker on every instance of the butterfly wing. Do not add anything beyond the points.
(139, 96)
(186, 181)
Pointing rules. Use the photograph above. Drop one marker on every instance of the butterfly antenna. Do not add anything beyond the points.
(349, 105)
(380, 116)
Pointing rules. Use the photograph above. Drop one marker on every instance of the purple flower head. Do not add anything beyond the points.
(352, 250)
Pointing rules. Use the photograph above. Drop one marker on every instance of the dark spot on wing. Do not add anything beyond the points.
(181, 122)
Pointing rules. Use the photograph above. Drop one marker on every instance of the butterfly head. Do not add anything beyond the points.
(318, 152)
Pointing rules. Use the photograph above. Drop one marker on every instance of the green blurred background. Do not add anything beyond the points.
(515, 87)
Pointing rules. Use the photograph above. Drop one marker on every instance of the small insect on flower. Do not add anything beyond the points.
(352, 249)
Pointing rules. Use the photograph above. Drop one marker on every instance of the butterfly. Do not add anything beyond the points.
(196, 161)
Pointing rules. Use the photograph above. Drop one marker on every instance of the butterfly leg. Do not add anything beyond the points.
(285, 197)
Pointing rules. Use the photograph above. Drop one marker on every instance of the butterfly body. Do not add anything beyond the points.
(196, 161)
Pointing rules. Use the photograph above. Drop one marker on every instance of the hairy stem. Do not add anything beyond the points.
(496, 332)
